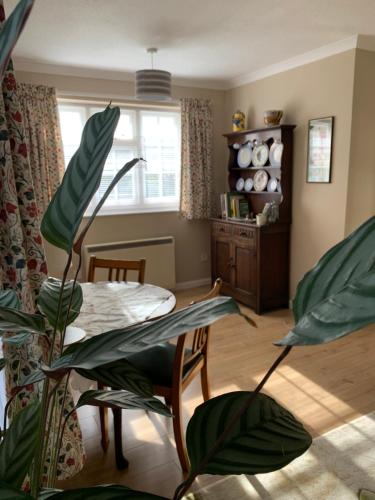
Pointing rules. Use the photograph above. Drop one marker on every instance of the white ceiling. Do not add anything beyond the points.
(213, 40)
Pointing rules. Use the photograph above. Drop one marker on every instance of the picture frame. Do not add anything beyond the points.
(319, 150)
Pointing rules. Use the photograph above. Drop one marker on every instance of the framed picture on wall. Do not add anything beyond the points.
(319, 150)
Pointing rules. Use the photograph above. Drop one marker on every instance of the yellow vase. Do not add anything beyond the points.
(238, 121)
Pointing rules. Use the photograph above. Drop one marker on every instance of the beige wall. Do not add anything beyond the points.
(322, 88)
(361, 188)
(192, 238)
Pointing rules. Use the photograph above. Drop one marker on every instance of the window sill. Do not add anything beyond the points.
(134, 211)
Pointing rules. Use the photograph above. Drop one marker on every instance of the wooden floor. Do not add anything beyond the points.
(324, 386)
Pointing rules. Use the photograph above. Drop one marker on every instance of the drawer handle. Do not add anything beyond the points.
(221, 229)
(243, 233)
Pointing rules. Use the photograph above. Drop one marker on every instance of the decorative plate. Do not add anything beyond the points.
(260, 180)
(272, 185)
(279, 187)
(240, 184)
(249, 184)
(276, 153)
(244, 155)
(260, 155)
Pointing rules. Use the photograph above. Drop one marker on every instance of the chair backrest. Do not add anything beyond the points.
(119, 268)
(199, 346)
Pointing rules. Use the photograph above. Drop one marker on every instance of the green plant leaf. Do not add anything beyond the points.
(11, 31)
(266, 438)
(110, 492)
(9, 298)
(340, 266)
(19, 445)
(78, 244)
(81, 180)
(32, 378)
(120, 375)
(18, 339)
(12, 320)
(9, 493)
(123, 399)
(2, 363)
(47, 493)
(114, 345)
(348, 310)
(48, 301)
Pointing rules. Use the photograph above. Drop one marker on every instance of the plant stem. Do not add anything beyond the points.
(70, 304)
(184, 487)
(36, 474)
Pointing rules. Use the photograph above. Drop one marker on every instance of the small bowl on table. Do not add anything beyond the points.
(272, 117)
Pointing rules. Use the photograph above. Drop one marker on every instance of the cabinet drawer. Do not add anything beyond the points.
(220, 228)
(245, 232)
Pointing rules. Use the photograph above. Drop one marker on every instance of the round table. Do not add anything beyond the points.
(110, 305)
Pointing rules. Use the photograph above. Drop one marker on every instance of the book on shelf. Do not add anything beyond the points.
(234, 205)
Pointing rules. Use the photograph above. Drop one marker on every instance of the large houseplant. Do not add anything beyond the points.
(238, 432)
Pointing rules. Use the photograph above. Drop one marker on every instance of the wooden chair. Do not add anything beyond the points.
(171, 368)
(117, 266)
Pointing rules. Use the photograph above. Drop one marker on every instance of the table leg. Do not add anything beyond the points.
(121, 461)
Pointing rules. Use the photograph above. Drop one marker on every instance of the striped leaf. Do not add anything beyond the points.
(2, 363)
(339, 267)
(78, 244)
(344, 312)
(115, 344)
(19, 445)
(11, 31)
(18, 339)
(124, 400)
(48, 301)
(110, 492)
(120, 375)
(9, 298)
(266, 437)
(33, 378)
(81, 180)
(12, 320)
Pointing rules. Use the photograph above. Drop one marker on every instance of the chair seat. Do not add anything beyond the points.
(157, 363)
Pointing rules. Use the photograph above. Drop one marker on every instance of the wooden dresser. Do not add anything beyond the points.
(253, 261)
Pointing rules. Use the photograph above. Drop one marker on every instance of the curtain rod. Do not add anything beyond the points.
(89, 98)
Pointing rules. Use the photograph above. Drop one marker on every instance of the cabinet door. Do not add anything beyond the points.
(245, 266)
(221, 258)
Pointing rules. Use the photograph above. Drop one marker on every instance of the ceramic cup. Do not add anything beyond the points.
(261, 219)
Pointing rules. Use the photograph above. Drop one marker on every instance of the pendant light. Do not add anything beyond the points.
(153, 84)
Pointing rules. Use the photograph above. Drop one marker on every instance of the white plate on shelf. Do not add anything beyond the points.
(276, 153)
(279, 190)
(272, 185)
(244, 155)
(260, 155)
(249, 184)
(240, 184)
(260, 180)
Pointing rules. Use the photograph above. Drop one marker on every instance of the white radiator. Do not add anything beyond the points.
(158, 252)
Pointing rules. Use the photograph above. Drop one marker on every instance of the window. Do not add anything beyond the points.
(153, 134)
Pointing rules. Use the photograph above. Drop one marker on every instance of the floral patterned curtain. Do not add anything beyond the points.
(196, 158)
(22, 261)
(43, 139)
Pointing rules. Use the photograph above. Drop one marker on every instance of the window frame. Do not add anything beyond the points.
(141, 205)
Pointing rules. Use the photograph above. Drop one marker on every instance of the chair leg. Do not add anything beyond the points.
(204, 383)
(103, 414)
(179, 433)
(121, 461)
